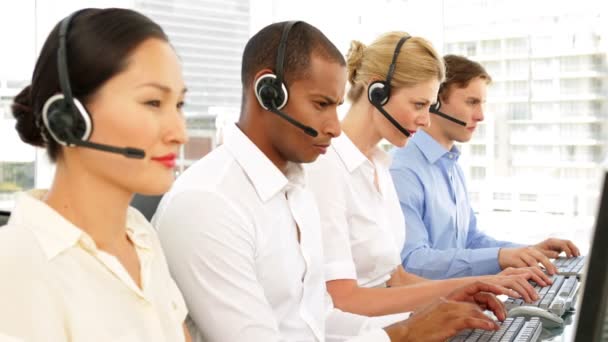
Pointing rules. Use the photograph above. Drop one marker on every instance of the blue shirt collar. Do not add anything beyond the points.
(431, 148)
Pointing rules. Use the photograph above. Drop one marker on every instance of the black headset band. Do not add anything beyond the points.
(282, 47)
(391, 68)
(62, 59)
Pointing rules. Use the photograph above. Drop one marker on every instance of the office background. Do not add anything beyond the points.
(534, 166)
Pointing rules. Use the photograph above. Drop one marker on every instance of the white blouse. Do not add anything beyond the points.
(363, 227)
(56, 285)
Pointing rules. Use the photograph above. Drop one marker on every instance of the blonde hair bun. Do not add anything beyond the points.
(354, 59)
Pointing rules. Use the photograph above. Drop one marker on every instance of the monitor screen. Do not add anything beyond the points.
(591, 325)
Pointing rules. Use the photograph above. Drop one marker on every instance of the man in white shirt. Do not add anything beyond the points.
(242, 234)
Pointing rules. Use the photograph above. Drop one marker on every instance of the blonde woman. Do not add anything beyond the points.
(393, 82)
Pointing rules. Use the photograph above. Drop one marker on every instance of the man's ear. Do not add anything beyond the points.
(258, 75)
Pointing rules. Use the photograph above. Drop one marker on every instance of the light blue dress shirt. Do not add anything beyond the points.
(443, 240)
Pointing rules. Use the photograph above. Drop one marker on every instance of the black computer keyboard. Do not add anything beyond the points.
(511, 330)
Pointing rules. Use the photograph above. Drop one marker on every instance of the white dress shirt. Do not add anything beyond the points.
(56, 285)
(363, 226)
(230, 227)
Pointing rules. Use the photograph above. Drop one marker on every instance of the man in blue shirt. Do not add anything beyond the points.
(443, 240)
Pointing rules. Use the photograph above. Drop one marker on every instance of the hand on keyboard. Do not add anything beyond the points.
(524, 257)
(439, 321)
(483, 295)
(511, 330)
(446, 317)
(533, 273)
(551, 248)
(557, 298)
(516, 282)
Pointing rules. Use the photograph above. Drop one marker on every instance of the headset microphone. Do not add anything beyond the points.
(65, 118)
(270, 89)
(435, 110)
(392, 120)
(379, 92)
(128, 152)
(307, 129)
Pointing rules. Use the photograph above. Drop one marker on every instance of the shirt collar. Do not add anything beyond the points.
(353, 158)
(265, 177)
(139, 229)
(430, 148)
(55, 234)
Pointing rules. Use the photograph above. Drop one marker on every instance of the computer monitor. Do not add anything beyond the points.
(592, 315)
(4, 215)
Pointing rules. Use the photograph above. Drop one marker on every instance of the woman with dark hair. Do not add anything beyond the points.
(76, 262)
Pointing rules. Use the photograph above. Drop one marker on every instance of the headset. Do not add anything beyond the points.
(270, 89)
(435, 110)
(379, 92)
(64, 116)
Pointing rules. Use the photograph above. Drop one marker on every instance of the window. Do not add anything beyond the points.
(518, 111)
(502, 196)
(490, 47)
(542, 88)
(528, 197)
(478, 173)
(493, 68)
(517, 88)
(542, 67)
(14, 176)
(542, 44)
(543, 111)
(480, 132)
(17, 160)
(209, 37)
(470, 49)
(598, 62)
(575, 108)
(517, 46)
(581, 154)
(570, 64)
(478, 150)
(518, 68)
(574, 86)
(496, 90)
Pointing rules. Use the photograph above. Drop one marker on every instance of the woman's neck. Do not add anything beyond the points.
(359, 127)
(91, 203)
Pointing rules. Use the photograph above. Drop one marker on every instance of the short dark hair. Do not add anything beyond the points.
(303, 41)
(459, 72)
(99, 41)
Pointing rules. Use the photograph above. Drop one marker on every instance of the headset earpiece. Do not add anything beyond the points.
(378, 93)
(59, 118)
(65, 118)
(269, 93)
(436, 109)
(435, 106)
